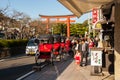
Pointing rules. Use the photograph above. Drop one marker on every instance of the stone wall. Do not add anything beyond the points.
(8, 52)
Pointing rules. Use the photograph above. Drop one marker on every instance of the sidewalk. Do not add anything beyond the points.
(67, 71)
(71, 73)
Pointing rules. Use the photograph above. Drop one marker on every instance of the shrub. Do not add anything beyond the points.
(12, 43)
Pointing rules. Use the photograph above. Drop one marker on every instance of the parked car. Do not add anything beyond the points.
(32, 46)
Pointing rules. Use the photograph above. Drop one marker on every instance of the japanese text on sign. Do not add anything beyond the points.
(96, 58)
(94, 15)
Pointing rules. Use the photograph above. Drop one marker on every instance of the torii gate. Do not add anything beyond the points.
(57, 20)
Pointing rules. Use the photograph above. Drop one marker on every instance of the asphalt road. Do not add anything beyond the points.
(51, 72)
(13, 68)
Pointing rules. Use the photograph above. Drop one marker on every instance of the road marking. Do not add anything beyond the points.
(20, 78)
(29, 73)
(57, 71)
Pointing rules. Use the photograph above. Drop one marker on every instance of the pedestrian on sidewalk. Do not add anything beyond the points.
(77, 58)
(76, 46)
(90, 45)
(84, 53)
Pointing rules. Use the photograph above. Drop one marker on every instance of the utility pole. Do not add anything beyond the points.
(89, 24)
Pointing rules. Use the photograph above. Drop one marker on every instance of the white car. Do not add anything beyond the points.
(32, 46)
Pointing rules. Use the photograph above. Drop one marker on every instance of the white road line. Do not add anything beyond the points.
(20, 78)
(57, 71)
(43, 66)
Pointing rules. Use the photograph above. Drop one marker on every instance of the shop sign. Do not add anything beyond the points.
(94, 15)
(96, 58)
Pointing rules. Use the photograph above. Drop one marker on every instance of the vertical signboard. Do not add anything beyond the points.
(96, 58)
(94, 15)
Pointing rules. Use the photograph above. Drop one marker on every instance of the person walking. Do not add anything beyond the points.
(67, 44)
(84, 52)
(90, 45)
(76, 46)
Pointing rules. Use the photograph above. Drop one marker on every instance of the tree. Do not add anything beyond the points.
(3, 17)
(39, 27)
(77, 29)
(59, 28)
(14, 20)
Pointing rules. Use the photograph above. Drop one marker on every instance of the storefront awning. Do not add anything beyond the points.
(79, 7)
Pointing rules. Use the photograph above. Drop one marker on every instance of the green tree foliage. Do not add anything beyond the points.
(75, 29)
(59, 29)
(78, 29)
(13, 43)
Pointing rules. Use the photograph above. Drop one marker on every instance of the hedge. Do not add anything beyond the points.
(13, 43)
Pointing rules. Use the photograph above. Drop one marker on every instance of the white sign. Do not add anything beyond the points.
(96, 58)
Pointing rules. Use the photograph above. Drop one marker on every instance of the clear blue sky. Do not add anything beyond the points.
(35, 7)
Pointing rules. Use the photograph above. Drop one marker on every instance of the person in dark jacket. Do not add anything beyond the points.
(84, 53)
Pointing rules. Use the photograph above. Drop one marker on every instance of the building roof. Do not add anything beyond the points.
(79, 7)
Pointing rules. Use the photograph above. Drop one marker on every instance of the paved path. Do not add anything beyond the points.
(66, 70)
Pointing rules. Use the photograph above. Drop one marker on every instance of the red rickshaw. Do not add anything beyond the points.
(65, 47)
(45, 48)
(48, 48)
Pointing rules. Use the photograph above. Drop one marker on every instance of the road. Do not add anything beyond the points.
(51, 72)
(14, 68)
(11, 69)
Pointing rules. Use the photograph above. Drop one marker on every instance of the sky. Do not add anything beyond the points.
(35, 7)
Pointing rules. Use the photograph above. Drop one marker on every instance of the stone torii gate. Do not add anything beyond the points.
(58, 19)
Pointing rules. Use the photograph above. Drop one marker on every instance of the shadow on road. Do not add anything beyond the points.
(51, 72)
(12, 73)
